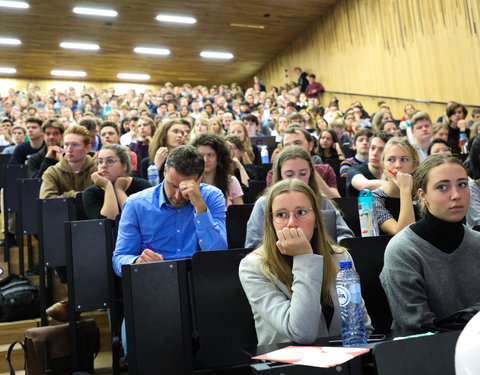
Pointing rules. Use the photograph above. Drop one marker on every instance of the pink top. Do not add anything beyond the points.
(234, 191)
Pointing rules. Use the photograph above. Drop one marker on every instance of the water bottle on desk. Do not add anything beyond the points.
(350, 300)
(264, 154)
(366, 215)
(153, 176)
(463, 142)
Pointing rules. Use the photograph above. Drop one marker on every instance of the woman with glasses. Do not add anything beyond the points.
(219, 167)
(290, 280)
(292, 162)
(112, 183)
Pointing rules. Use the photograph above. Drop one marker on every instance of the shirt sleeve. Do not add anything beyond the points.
(297, 317)
(127, 248)
(255, 224)
(234, 188)
(343, 231)
(49, 187)
(210, 225)
(328, 175)
(381, 212)
(93, 202)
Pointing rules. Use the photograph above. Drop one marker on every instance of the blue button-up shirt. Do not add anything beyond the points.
(149, 221)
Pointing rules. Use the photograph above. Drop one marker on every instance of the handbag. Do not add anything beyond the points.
(19, 299)
(47, 349)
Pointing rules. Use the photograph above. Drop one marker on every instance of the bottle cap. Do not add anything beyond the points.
(347, 264)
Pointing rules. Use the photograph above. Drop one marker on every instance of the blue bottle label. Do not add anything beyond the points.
(343, 295)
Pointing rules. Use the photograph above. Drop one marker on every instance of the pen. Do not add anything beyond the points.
(148, 246)
(392, 172)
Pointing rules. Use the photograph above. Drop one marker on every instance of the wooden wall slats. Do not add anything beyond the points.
(424, 49)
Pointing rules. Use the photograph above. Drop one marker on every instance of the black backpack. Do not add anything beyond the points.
(19, 299)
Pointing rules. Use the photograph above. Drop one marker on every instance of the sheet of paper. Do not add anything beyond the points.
(317, 356)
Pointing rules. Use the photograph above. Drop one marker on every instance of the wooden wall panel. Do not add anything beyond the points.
(422, 49)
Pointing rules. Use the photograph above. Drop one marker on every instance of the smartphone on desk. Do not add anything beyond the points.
(377, 337)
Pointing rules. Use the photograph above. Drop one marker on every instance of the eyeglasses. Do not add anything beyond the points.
(301, 214)
(108, 161)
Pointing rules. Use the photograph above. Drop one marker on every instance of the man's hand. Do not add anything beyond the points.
(190, 190)
(121, 183)
(54, 152)
(100, 181)
(292, 241)
(148, 256)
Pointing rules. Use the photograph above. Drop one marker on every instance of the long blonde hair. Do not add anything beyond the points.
(246, 141)
(279, 265)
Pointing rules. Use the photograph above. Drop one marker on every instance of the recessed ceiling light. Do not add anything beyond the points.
(10, 41)
(216, 55)
(7, 70)
(152, 51)
(175, 19)
(95, 12)
(14, 4)
(81, 46)
(135, 76)
(247, 26)
(68, 73)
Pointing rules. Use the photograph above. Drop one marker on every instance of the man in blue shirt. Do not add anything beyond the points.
(174, 219)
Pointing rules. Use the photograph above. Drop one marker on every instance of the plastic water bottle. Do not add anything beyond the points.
(350, 300)
(152, 173)
(463, 143)
(264, 154)
(368, 223)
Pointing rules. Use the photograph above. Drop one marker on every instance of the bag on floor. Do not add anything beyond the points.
(47, 349)
(19, 299)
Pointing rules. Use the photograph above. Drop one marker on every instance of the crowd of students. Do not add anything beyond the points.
(93, 139)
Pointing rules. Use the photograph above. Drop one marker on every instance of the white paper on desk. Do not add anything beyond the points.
(317, 356)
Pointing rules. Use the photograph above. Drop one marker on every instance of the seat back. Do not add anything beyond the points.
(348, 207)
(368, 254)
(236, 223)
(255, 189)
(223, 314)
(29, 190)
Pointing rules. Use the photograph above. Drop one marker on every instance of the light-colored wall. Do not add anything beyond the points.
(45, 85)
(422, 49)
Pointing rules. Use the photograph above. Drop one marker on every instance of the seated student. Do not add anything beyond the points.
(18, 136)
(399, 162)
(145, 130)
(390, 127)
(368, 175)
(361, 145)
(169, 136)
(242, 172)
(252, 152)
(290, 280)
(112, 184)
(110, 134)
(202, 125)
(219, 167)
(345, 142)
(473, 169)
(251, 123)
(431, 266)
(329, 147)
(439, 146)
(292, 162)
(422, 132)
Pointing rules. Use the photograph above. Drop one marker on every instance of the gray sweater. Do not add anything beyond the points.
(254, 235)
(423, 283)
(281, 316)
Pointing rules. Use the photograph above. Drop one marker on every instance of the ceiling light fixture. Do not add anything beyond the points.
(14, 4)
(81, 46)
(216, 55)
(10, 41)
(95, 12)
(247, 26)
(152, 51)
(68, 73)
(176, 19)
(6, 70)
(134, 76)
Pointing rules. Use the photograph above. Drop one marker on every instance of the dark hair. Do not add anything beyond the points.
(224, 160)
(186, 160)
(381, 127)
(383, 136)
(436, 141)
(363, 132)
(333, 150)
(90, 124)
(250, 117)
(34, 119)
(236, 141)
(451, 107)
(312, 76)
(473, 168)
(110, 124)
(296, 129)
